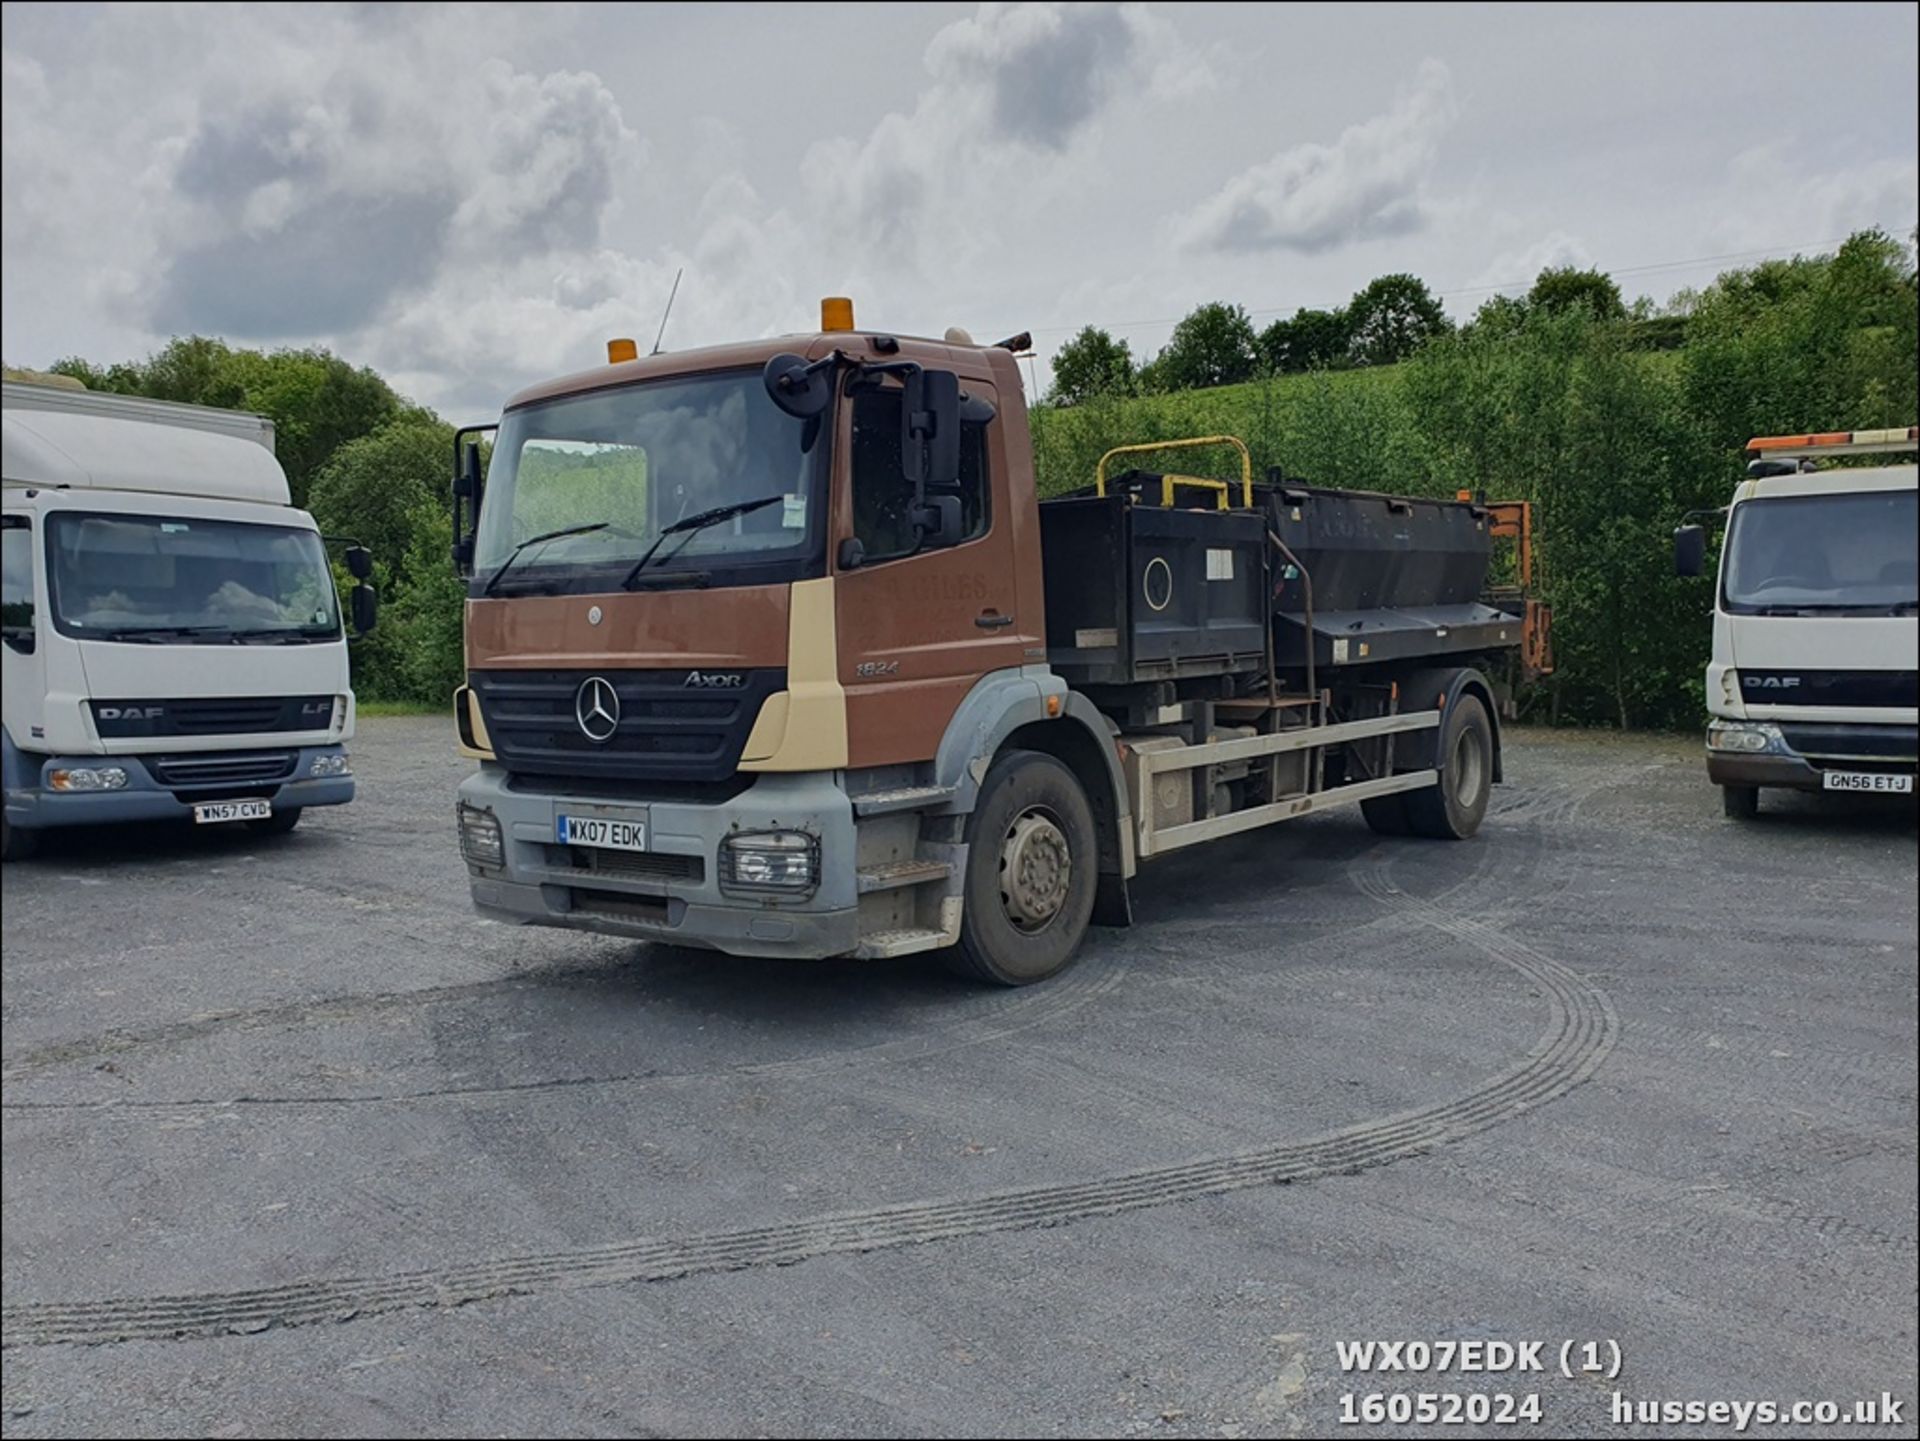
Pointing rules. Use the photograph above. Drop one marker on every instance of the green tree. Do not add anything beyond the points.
(1092, 363)
(1214, 345)
(1311, 340)
(1568, 288)
(376, 487)
(1392, 318)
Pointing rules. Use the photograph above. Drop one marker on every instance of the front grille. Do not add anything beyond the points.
(1853, 742)
(249, 768)
(628, 865)
(619, 905)
(212, 715)
(1880, 688)
(667, 728)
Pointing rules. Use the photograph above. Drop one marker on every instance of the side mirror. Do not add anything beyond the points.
(466, 480)
(801, 390)
(853, 553)
(359, 562)
(366, 608)
(930, 429)
(1690, 550)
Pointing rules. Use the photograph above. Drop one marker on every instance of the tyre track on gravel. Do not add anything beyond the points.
(1582, 1030)
(1580, 1033)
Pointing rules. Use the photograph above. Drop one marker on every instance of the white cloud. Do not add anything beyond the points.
(1826, 203)
(1512, 272)
(1312, 197)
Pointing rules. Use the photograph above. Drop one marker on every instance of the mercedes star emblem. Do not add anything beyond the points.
(597, 707)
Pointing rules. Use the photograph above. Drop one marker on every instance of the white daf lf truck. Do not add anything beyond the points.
(172, 642)
(1815, 678)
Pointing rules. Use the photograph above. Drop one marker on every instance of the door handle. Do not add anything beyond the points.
(992, 620)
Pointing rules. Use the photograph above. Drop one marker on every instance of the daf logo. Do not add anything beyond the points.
(714, 680)
(597, 707)
(131, 712)
(1770, 682)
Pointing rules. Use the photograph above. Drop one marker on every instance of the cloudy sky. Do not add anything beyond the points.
(470, 198)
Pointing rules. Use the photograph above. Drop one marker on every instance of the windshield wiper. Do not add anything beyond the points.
(161, 634)
(287, 634)
(540, 539)
(692, 523)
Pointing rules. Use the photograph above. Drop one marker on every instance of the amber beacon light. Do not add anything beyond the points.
(619, 350)
(836, 313)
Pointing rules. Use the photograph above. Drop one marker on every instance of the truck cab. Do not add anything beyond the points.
(173, 641)
(1813, 680)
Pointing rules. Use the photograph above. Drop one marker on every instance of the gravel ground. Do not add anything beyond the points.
(294, 1144)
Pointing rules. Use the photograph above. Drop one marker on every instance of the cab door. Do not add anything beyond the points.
(917, 628)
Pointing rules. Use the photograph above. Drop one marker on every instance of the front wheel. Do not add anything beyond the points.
(277, 824)
(1453, 809)
(1741, 803)
(1031, 864)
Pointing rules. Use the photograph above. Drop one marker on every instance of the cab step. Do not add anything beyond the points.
(905, 798)
(882, 944)
(895, 874)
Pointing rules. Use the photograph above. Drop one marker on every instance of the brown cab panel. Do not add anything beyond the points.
(735, 628)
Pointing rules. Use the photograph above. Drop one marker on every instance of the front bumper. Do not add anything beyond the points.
(33, 805)
(1805, 752)
(541, 883)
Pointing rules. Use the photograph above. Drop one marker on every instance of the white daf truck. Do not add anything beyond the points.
(1814, 683)
(172, 641)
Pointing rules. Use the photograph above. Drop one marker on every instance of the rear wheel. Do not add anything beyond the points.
(1741, 803)
(1453, 809)
(1386, 814)
(277, 824)
(1030, 876)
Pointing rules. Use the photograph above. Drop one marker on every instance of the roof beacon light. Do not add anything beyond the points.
(1837, 442)
(836, 313)
(619, 350)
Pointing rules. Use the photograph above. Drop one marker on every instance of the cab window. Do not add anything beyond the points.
(882, 499)
(16, 583)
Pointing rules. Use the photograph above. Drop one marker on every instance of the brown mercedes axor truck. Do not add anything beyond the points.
(772, 649)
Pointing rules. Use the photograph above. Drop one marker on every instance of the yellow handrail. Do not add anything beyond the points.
(1168, 482)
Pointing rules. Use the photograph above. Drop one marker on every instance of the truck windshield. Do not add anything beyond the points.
(1851, 553)
(184, 580)
(625, 464)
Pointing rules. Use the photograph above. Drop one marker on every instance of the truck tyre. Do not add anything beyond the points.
(1031, 862)
(16, 844)
(1387, 815)
(1453, 809)
(1741, 803)
(277, 824)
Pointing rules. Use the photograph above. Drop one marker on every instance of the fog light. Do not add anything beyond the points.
(480, 840)
(1747, 738)
(783, 862)
(330, 765)
(88, 778)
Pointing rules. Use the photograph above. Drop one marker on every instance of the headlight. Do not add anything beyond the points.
(480, 840)
(330, 765)
(1745, 737)
(88, 778)
(776, 862)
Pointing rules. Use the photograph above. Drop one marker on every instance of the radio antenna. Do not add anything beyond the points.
(662, 334)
